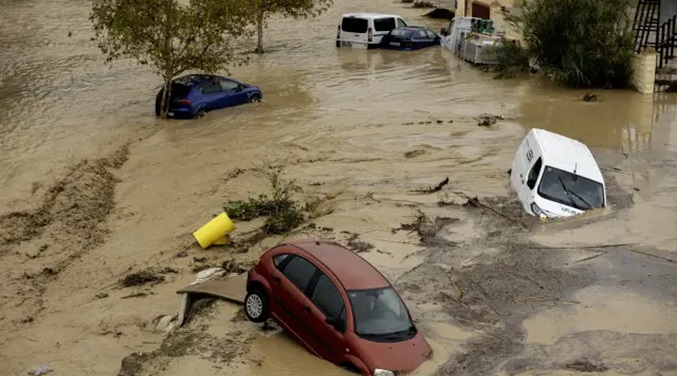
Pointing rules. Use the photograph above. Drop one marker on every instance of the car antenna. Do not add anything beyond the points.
(575, 167)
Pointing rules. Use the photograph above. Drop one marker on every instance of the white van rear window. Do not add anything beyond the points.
(384, 24)
(354, 25)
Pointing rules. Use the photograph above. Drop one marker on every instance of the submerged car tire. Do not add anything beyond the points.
(350, 367)
(256, 305)
(200, 113)
(255, 98)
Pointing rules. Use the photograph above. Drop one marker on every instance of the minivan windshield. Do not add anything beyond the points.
(380, 315)
(570, 189)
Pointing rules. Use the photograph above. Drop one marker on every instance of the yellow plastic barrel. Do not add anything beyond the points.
(215, 231)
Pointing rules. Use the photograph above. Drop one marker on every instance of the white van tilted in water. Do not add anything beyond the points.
(556, 176)
(365, 30)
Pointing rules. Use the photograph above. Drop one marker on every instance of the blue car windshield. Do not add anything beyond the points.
(380, 314)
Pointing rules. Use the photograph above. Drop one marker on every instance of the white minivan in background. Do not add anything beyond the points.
(556, 176)
(365, 30)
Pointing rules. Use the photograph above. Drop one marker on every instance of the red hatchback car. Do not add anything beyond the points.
(337, 305)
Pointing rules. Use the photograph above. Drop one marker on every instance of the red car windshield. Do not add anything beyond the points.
(380, 315)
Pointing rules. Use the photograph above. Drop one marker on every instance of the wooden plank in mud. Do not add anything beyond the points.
(232, 289)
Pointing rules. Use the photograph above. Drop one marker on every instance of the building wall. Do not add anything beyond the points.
(500, 24)
(644, 71)
(668, 9)
(465, 8)
(499, 3)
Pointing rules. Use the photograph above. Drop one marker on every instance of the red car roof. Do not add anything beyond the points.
(354, 272)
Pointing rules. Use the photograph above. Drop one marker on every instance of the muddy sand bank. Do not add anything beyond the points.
(488, 295)
(95, 242)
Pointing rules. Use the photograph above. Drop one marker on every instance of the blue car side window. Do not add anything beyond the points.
(227, 85)
(210, 88)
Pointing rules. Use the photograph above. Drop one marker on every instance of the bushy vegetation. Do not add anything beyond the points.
(512, 60)
(170, 37)
(282, 212)
(580, 43)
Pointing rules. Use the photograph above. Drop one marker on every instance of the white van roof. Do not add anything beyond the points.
(369, 15)
(567, 154)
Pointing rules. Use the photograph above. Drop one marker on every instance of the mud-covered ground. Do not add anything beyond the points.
(98, 200)
(495, 291)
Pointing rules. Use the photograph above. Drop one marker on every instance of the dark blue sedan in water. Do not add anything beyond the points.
(194, 95)
(410, 38)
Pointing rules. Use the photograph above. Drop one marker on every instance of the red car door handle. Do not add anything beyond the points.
(277, 280)
(307, 309)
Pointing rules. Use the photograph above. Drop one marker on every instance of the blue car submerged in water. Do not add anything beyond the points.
(194, 95)
(410, 38)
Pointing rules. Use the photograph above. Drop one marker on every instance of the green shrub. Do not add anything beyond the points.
(580, 43)
(282, 213)
(512, 60)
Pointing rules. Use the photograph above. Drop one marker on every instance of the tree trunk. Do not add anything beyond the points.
(259, 32)
(166, 94)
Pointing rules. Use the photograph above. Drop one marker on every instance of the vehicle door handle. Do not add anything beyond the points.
(277, 281)
(307, 310)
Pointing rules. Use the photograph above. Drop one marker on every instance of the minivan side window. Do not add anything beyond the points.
(354, 25)
(299, 271)
(533, 174)
(328, 299)
(384, 24)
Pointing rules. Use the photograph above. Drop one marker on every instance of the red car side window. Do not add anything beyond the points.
(281, 260)
(328, 298)
(299, 271)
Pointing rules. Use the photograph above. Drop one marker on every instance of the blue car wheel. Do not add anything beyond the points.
(200, 113)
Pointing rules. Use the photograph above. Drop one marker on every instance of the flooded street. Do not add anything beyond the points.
(93, 186)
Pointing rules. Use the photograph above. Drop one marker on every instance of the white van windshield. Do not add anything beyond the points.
(570, 189)
(354, 25)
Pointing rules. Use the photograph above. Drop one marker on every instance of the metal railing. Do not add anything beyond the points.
(665, 42)
(647, 14)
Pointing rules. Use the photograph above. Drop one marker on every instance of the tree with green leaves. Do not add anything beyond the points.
(580, 43)
(172, 38)
(263, 9)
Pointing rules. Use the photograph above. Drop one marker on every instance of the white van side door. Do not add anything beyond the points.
(531, 180)
(519, 167)
(447, 40)
(523, 172)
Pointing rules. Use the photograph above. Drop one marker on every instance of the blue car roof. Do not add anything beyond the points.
(195, 79)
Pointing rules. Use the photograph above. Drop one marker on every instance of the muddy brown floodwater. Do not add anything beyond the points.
(93, 187)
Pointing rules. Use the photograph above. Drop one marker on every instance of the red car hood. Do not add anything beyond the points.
(396, 356)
